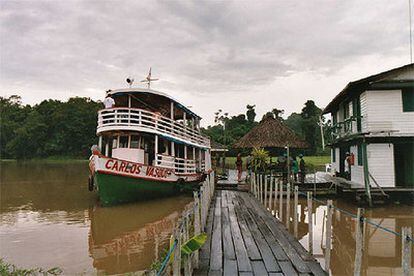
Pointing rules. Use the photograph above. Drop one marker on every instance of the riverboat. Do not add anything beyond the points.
(150, 146)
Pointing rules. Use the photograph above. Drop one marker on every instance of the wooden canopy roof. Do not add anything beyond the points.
(270, 133)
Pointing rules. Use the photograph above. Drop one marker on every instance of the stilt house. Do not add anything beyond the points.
(373, 120)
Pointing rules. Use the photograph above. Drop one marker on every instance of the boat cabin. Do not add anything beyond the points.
(149, 127)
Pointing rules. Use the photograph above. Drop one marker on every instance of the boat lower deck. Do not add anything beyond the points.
(245, 239)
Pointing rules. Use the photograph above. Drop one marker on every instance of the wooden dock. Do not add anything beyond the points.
(245, 239)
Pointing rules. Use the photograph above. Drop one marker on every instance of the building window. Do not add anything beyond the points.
(359, 157)
(333, 155)
(408, 99)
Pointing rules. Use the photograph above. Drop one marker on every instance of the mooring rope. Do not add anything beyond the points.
(167, 258)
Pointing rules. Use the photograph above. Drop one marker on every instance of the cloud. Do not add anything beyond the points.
(201, 50)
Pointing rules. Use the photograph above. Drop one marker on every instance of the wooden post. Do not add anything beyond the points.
(276, 194)
(359, 233)
(265, 191)
(310, 223)
(287, 205)
(202, 207)
(406, 250)
(295, 218)
(281, 201)
(177, 252)
(328, 238)
(261, 188)
(187, 259)
(197, 229)
(270, 193)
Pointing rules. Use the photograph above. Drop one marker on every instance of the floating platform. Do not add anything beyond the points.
(245, 239)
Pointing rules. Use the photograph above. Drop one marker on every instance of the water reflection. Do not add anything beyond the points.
(48, 218)
(381, 251)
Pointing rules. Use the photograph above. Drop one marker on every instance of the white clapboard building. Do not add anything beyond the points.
(373, 120)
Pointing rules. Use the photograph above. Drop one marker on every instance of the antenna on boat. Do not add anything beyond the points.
(130, 81)
(148, 79)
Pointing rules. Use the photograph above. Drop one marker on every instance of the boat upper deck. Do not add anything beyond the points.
(147, 110)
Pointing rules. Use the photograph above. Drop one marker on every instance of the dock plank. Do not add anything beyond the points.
(216, 256)
(230, 267)
(243, 261)
(259, 268)
(228, 246)
(267, 255)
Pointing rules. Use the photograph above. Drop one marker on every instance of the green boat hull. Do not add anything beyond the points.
(115, 189)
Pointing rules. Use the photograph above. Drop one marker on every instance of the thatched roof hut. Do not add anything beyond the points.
(217, 147)
(270, 133)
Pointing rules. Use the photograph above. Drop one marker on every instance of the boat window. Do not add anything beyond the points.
(134, 142)
(115, 142)
(123, 141)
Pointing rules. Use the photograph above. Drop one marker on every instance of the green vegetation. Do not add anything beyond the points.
(228, 130)
(51, 128)
(12, 270)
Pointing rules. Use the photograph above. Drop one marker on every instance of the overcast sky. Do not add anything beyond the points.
(209, 55)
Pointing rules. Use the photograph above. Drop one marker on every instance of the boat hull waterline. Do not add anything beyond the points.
(120, 181)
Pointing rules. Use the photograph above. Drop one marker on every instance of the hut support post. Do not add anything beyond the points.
(265, 191)
(287, 205)
(406, 250)
(281, 201)
(295, 212)
(328, 238)
(359, 242)
(310, 223)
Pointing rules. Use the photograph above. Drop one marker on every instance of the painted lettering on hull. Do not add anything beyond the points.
(136, 169)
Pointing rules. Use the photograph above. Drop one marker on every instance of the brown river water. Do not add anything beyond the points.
(48, 218)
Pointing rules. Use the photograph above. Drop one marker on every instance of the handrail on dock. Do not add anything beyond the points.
(192, 220)
(263, 187)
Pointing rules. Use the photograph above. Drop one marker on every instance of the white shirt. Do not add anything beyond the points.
(109, 102)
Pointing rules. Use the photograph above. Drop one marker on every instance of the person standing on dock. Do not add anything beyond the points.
(302, 168)
(239, 166)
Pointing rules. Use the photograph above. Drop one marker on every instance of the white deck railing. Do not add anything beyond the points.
(180, 165)
(112, 118)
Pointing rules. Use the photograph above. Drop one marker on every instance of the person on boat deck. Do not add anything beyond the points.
(302, 168)
(239, 166)
(109, 102)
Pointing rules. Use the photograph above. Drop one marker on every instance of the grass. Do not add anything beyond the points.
(312, 162)
(12, 270)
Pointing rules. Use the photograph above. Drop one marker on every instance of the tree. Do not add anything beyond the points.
(250, 113)
(294, 122)
(310, 128)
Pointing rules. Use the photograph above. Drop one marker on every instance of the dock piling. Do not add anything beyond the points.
(328, 238)
(295, 212)
(287, 205)
(406, 250)
(310, 223)
(270, 193)
(359, 233)
(281, 201)
(265, 190)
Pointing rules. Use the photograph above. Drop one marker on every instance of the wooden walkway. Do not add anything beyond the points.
(244, 239)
